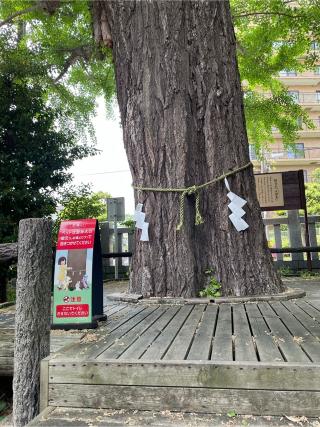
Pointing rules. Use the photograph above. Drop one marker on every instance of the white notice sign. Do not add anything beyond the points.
(269, 189)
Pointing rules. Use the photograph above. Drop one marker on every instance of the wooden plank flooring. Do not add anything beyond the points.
(58, 339)
(257, 358)
(253, 332)
(286, 331)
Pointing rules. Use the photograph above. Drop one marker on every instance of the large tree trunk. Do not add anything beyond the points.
(183, 123)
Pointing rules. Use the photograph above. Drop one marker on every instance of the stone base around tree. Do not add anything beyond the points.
(292, 293)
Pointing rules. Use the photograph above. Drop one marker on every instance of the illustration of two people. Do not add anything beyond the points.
(65, 281)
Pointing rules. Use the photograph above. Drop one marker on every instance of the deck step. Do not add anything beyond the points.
(67, 416)
(187, 386)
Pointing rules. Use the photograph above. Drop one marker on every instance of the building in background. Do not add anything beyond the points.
(305, 89)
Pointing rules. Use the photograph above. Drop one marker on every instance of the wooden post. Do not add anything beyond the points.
(32, 324)
(295, 233)
(278, 239)
(307, 238)
(313, 237)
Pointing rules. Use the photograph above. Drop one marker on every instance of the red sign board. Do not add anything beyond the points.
(74, 310)
(77, 234)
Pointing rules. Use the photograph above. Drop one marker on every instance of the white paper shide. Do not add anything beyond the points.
(236, 204)
(139, 218)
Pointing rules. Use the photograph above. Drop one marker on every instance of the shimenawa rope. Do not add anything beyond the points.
(191, 190)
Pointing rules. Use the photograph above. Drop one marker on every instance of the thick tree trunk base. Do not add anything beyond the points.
(183, 123)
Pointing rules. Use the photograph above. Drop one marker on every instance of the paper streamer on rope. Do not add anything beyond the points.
(236, 208)
(139, 218)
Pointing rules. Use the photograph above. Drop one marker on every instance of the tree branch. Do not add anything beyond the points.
(83, 52)
(47, 6)
(19, 13)
(243, 15)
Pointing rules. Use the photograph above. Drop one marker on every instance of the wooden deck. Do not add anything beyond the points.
(256, 358)
(255, 332)
(7, 347)
(58, 339)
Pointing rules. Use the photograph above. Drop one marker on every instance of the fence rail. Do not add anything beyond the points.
(281, 232)
(284, 232)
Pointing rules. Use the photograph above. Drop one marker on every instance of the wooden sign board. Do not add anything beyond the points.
(270, 189)
(281, 190)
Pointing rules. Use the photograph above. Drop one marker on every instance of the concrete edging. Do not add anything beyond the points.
(135, 298)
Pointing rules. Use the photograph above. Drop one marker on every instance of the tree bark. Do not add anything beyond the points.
(182, 114)
(32, 321)
(8, 252)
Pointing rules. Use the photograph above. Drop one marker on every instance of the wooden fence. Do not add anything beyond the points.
(125, 244)
(282, 232)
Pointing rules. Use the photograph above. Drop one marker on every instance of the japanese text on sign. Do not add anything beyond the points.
(75, 310)
(76, 234)
(270, 190)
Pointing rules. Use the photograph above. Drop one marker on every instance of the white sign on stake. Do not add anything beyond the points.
(236, 208)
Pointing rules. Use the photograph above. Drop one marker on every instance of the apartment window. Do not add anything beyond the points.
(314, 45)
(287, 73)
(294, 95)
(252, 152)
(317, 70)
(318, 95)
(297, 153)
(299, 122)
(305, 176)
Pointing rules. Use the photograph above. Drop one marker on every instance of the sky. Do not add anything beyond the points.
(109, 170)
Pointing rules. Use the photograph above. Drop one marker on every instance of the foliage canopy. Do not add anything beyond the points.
(272, 35)
(35, 152)
(80, 202)
(313, 194)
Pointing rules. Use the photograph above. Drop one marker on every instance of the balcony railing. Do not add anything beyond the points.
(316, 124)
(307, 98)
(307, 153)
(301, 97)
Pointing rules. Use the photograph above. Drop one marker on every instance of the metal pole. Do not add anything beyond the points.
(115, 232)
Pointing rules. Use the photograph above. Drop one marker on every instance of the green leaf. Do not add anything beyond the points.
(232, 413)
